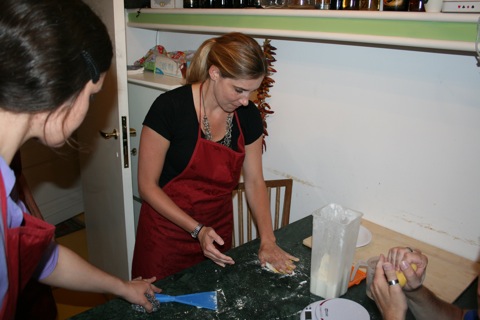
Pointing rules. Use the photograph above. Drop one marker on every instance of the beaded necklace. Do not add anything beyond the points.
(227, 139)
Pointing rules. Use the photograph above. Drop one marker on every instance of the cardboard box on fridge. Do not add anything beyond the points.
(168, 66)
(174, 63)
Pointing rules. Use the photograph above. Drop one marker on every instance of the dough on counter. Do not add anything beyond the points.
(271, 268)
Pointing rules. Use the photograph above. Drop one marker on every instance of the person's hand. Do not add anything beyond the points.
(279, 259)
(401, 258)
(137, 288)
(207, 238)
(389, 298)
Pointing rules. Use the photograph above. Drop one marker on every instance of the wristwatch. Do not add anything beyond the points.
(196, 231)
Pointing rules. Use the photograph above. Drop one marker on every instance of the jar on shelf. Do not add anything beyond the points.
(336, 5)
(272, 4)
(369, 5)
(416, 6)
(223, 3)
(239, 3)
(395, 5)
(191, 4)
(301, 4)
(206, 3)
(322, 4)
(351, 4)
(254, 4)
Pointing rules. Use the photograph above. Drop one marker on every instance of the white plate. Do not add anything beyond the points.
(364, 237)
(334, 309)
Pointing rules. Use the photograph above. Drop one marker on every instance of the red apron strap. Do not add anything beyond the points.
(7, 309)
(3, 199)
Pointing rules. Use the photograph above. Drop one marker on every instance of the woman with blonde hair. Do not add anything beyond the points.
(195, 143)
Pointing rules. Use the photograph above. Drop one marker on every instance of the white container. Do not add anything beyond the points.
(334, 239)
(433, 6)
(167, 66)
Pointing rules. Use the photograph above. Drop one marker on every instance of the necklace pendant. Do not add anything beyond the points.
(206, 128)
(228, 131)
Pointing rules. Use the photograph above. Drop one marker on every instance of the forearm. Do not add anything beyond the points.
(426, 306)
(258, 201)
(165, 206)
(74, 273)
(153, 151)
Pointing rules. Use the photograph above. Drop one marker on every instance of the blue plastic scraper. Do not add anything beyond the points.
(207, 300)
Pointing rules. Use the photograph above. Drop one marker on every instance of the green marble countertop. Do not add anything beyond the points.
(245, 290)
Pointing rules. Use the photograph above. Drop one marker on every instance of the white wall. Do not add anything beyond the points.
(54, 179)
(392, 133)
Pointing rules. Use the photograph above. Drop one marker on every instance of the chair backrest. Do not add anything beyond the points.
(280, 197)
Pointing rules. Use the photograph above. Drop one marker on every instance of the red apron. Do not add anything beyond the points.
(204, 191)
(24, 248)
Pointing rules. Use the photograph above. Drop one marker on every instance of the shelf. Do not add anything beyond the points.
(156, 81)
(438, 31)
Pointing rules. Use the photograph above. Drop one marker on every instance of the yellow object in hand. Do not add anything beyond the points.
(402, 281)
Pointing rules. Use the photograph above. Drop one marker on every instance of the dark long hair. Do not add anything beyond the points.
(49, 50)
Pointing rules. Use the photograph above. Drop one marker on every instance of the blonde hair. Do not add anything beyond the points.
(236, 56)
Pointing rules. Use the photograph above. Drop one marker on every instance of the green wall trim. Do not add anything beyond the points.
(415, 29)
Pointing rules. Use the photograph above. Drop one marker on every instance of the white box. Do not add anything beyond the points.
(461, 6)
(167, 66)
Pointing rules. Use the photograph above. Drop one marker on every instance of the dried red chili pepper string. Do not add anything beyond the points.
(263, 90)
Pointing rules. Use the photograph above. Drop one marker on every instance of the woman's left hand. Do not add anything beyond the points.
(208, 237)
(279, 259)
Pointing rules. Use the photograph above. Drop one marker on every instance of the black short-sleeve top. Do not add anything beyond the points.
(173, 116)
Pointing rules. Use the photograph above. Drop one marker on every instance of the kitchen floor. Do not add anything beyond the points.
(70, 303)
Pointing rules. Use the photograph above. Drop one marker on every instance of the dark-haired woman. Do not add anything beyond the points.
(64, 51)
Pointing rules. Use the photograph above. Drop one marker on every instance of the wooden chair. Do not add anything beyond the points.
(280, 197)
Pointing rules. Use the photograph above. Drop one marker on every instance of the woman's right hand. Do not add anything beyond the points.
(137, 289)
(390, 299)
(207, 238)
